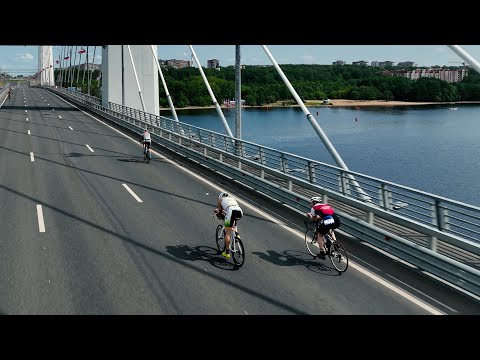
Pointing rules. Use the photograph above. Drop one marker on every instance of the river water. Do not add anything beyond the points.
(432, 148)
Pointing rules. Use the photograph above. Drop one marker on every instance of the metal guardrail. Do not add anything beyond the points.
(3, 93)
(434, 233)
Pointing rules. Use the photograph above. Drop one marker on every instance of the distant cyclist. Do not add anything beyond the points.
(228, 209)
(146, 140)
(326, 220)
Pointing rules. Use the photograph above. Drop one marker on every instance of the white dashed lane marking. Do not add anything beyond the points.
(132, 193)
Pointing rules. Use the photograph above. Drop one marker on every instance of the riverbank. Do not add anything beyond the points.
(334, 103)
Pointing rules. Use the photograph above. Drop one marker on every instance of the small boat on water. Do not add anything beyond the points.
(453, 108)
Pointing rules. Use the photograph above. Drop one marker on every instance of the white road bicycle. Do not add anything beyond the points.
(237, 251)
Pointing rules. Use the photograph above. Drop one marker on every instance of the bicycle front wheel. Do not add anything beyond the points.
(338, 256)
(310, 243)
(238, 253)
(220, 238)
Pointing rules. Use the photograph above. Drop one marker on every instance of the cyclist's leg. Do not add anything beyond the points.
(335, 226)
(331, 232)
(321, 230)
(227, 223)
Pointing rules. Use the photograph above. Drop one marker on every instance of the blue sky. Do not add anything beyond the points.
(26, 57)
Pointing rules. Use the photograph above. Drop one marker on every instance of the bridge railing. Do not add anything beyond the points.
(3, 93)
(437, 234)
(443, 213)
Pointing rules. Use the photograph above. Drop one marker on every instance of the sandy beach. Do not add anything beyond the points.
(338, 103)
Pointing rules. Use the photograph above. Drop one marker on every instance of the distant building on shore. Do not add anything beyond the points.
(406, 64)
(448, 75)
(361, 62)
(338, 62)
(231, 103)
(90, 66)
(386, 64)
(177, 64)
(213, 64)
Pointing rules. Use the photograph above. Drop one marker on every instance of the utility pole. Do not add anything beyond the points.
(238, 94)
(123, 81)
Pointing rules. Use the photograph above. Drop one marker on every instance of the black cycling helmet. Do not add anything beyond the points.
(222, 195)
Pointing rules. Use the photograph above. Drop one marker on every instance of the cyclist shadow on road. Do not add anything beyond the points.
(201, 253)
(295, 257)
(141, 160)
(135, 160)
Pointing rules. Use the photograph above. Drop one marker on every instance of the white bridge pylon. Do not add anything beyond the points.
(45, 65)
(132, 85)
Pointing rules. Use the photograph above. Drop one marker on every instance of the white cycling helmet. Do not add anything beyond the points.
(222, 195)
(315, 199)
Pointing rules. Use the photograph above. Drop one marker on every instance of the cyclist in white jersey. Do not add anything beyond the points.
(146, 140)
(228, 207)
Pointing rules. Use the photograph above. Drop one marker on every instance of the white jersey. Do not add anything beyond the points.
(229, 201)
(146, 136)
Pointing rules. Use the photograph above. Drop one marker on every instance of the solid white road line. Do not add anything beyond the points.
(452, 285)
(132, 193)
(41, 224)
(362, 270)
(28, 132)
(89, 148)
(389, 255)
(438, 302)
(70, 128)
(31, 157)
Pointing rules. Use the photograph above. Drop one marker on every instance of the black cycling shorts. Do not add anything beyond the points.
(323, 229)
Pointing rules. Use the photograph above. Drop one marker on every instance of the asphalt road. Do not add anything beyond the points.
(100, 251)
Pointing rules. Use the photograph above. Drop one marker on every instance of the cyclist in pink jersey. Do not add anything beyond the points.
(326, 220)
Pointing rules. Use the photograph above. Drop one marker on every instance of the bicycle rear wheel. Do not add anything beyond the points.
(238, 253)
(310, 243)
(220, 238)
(338, 256)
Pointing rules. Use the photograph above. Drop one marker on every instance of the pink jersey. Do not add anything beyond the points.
(322, 210)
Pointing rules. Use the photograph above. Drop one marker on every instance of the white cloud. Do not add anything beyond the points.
(307, 58)
(258, 61)
(442, 49)
(27, 57)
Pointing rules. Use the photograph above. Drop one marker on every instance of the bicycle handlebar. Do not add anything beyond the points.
(216, 217)
(306, 223)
